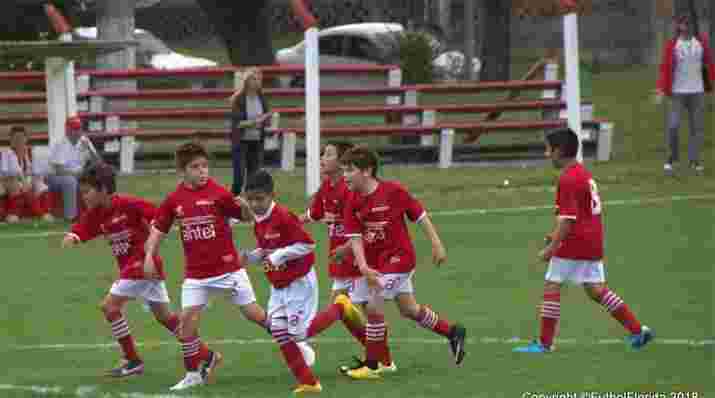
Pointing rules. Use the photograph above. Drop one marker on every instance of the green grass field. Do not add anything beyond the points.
(659, 250)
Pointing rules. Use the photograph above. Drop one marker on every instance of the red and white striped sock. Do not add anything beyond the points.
(550, 314)
(191, 350)
(121, 333)
(619, 310)
(429, 319)
(375, 340)
(294, 357)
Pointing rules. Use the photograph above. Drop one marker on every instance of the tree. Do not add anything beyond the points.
(244, 27)
(496, 51)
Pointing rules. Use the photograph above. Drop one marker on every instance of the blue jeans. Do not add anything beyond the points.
(67, 185)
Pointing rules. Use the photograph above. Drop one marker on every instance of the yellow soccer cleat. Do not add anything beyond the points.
(364, 373)
(308, 389)
(351, 312)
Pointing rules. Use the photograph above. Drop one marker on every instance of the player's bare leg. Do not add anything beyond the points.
(256, 314)
(428, 319)
(193, 350)
(550, 313)
(131, 363)
(640, 335)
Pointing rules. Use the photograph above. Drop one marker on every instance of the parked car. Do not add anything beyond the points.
(367, 43)
(151, 51)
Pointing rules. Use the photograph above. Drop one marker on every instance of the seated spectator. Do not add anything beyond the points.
(26, 193)
(68, 158)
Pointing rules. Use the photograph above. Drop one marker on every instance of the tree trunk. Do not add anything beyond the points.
(470, 43)
(444, 17)
(244, 27)
(496, 51)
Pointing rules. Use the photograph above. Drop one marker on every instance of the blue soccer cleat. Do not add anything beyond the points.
(533, 347)
(638, 341)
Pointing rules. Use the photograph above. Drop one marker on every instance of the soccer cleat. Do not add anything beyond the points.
(308, 389)
(191, 379)
(359, 363)
(457, 336)
(351, 312)
(638, 341)
(127, 368)
(533, 347)
(364, 373)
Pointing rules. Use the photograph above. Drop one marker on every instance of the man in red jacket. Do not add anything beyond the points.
(687, 72)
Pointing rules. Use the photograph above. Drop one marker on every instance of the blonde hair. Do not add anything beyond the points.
(246, 74)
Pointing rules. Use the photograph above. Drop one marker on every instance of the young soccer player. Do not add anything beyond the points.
(575, 249)
(286, 251)
(202, 208)
(124, 221)
(374, 218)
(327, 206)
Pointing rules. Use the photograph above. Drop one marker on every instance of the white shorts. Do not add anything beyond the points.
(152, 291)
(234, 284)
(395, 284)
(294, 306)
(356, 288)
(575, 271)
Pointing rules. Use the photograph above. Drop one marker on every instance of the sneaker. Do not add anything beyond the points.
(533, 347)
(48, 218)
(457, 335)
(209, 366)
(382, 369)
(127, 368)
(668, 168)
(697, 168)
(307, 388)
(638, 341)
(351, 312)
(190, 380)
(364, 373)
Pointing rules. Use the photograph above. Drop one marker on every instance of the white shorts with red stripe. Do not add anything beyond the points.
(578, 272)
(234, 285)
(294, 306)
(152, 291)
(356, 288)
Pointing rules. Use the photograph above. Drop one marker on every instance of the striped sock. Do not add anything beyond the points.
(429, 319)
(619, 310)
(191, 350)
(121, 333)
(293, 357)
(375, 335)
(550, 314)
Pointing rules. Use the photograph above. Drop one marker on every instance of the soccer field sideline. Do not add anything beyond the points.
(461, 212)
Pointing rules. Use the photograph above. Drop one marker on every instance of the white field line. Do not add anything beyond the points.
(692, 342)
(461, 212)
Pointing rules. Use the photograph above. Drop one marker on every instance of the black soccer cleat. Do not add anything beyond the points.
(457, 336)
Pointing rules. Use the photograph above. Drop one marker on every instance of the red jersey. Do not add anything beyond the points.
(125, 224)
(203, 227)
(281, 238)
(379, 218)
(328, 204)
(577, 199)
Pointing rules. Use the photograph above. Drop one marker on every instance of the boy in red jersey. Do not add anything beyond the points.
(286, 251)
(374, 218)
(124, 221)
(202, 208)
(575, 249)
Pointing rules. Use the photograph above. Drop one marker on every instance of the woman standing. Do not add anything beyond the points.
(249, 115)
(687, 72)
